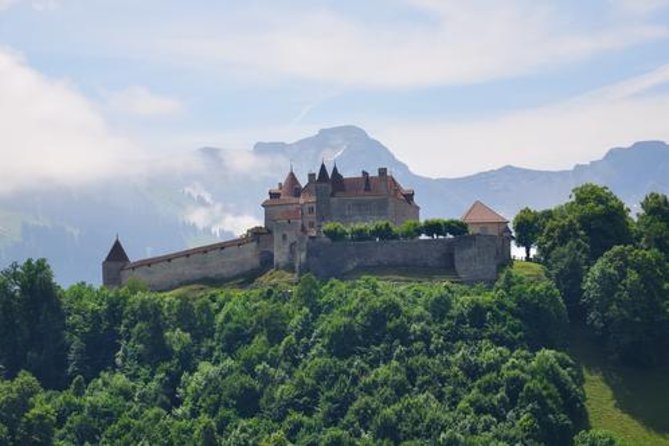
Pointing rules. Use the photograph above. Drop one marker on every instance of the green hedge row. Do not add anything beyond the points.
(385, 230)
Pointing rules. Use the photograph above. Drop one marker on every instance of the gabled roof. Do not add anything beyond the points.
(117, 253)
(480, 213)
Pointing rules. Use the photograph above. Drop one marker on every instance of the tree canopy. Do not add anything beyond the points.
(526, 229)
(363, 362)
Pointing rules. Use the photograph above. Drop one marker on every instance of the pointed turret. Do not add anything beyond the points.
(323, 176)
(117, 253)
(113, 264)
(291, 185)
(337, 180)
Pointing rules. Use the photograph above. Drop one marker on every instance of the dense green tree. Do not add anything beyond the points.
(93, 320)
(25, 418)
(358, 362)
(653, 222)
(540, 308)
(561, 229)
(567, 267)
(626, 294)
(32, 323)
(527, 229)
(602, 217)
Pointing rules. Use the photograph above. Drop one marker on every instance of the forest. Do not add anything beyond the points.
(369, 361)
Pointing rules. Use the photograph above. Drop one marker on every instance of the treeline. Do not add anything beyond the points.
(338, 363)
(385, 230)
(611, 270)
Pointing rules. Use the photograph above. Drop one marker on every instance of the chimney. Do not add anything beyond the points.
(368, 185)
(383, 171)
(365, 173)
(280, 186)
(312, 177)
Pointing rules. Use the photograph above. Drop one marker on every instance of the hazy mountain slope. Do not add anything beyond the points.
(219, 196)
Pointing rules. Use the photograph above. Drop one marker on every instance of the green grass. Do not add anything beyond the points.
(631, 403)
(530, 270)
(403, 274)
(275, 277)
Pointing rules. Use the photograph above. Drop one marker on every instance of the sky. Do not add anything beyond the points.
(88, 87)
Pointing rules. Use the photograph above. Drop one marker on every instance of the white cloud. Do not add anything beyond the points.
(137, 100)
(550, 137)
(463, 42)
(214, 216)
(50, 133)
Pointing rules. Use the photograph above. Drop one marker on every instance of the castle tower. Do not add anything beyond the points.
(323, 193)
(113, 264)
(337, 180)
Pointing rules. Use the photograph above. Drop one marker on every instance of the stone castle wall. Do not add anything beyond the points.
(472, 258)
(216, 263)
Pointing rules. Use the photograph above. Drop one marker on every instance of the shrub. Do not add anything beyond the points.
(455, 227)
(434, 227)
(383, 230)
(410, 230)
(335, 231)
(360, 232)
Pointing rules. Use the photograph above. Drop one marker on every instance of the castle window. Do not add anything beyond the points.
(310, 210)
(311, 224)
(284, 237)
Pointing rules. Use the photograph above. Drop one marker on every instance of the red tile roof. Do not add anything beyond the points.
(365, 185)
(290, 185)
(480, 213)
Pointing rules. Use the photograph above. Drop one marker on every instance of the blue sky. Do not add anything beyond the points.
(451, 87)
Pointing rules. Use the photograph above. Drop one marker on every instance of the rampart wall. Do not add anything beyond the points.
(472, 258)
(216, 263)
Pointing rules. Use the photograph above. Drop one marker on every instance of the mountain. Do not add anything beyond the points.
(218, 196)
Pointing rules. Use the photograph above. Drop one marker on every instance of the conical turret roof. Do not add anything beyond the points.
(323, 176)
(117, 253)
(337, 180)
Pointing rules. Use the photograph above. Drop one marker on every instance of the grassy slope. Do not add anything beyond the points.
(633, 404)
(530, 270)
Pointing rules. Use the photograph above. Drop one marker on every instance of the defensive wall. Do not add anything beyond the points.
(472, 258)
(469, 258)
(218, 262)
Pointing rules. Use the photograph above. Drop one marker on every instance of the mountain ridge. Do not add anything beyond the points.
(158, 213)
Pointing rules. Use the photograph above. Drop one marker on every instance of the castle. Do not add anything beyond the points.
(292, 238)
